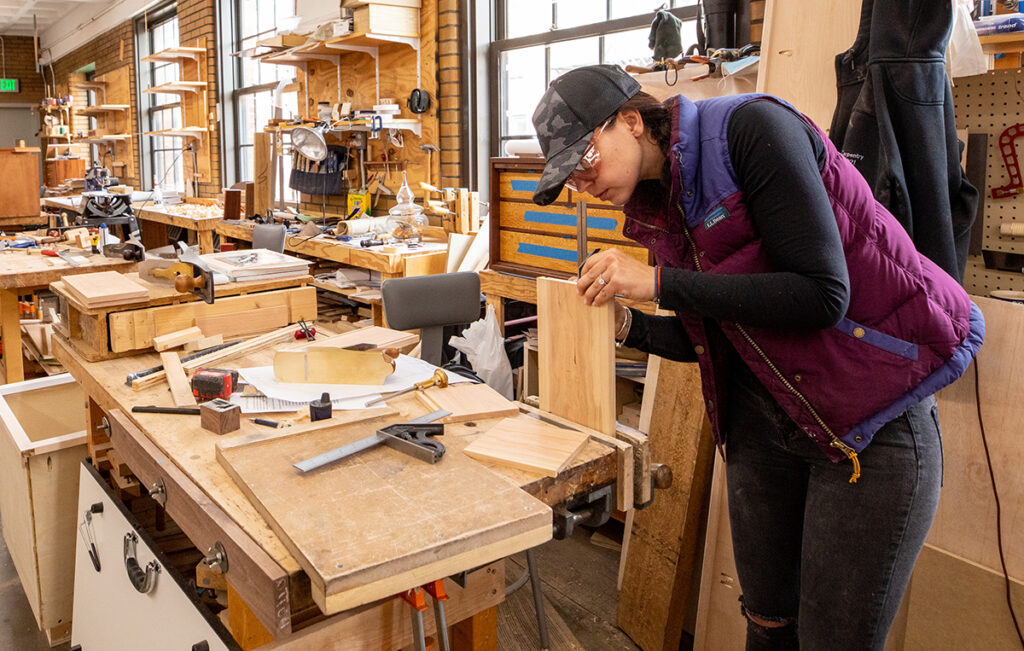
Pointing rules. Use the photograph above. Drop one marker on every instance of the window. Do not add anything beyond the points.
(255, 85)
(161, 157)
(538, 40)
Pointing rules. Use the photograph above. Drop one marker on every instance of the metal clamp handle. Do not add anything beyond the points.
(142, 580)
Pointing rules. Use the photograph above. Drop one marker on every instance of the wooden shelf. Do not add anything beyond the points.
(111, 138)
(185, 132)
(372, 40)
(299, 56)
(174, 54)
(59, 107)
(1008, 42)
(178, 87)
(102, 109)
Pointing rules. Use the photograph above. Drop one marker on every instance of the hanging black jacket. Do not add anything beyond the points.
(894, 120)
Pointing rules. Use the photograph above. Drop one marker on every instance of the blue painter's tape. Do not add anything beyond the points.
(561, 219)
(523, 186)
(547, 251)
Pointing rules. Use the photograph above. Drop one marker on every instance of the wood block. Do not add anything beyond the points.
(210, 579)
(330, 365)
(220, 416)
(331, 519)
(127, 484)
(105, 288)
(117, 466)
(467, 402)
(385, 19)
(528, 444)
(263, 174)
(177, 338)
(204, 342)
(232, 204)
(576, 350)
(245, 322)
(180, 389)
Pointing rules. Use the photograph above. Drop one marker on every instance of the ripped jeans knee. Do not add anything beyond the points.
(768, 632)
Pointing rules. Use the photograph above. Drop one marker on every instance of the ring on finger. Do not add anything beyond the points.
(601, 280)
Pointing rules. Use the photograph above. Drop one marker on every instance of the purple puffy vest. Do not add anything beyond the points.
(910, 328)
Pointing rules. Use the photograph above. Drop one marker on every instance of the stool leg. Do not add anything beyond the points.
(538, 598)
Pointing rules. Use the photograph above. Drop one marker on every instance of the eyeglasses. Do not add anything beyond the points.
(586, 170)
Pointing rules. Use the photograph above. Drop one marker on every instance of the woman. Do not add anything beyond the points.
(817, 326)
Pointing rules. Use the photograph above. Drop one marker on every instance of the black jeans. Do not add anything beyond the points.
(828, 558)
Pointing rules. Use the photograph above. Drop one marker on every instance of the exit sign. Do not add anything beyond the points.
(8, 85)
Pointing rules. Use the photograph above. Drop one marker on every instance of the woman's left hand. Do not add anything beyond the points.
(611, 272)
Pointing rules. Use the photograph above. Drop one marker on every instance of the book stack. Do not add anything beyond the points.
(256, 264)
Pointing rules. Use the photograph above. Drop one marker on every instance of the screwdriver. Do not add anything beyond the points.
(439, 378)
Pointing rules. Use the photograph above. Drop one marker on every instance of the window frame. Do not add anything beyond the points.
(146, 72)
(502, 44)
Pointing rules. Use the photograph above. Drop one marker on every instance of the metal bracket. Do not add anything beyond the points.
(158, 491)
(217, 558)
(592, 510)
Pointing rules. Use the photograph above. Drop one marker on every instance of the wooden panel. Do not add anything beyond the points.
(956, 604)
(535, 446)
(262, 174)
(245, 322)
(549, 252)
(667, 536)
(964, 523)
(799, 45)
(21, 199)
(442, 517)
(601, 223)
(577, 356)
(105, 288)
(467, 402)
(522, 185)
(135, 329)
(332, 365)
(180, 389)
(10, 329)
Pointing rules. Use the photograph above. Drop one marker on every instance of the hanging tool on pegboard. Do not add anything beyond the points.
(1008, 148)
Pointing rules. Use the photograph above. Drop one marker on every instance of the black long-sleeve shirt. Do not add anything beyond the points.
(778, 160)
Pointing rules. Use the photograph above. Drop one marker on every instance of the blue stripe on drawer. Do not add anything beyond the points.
(523, 186)
(547, 251)
(561, 219)
(880, 339)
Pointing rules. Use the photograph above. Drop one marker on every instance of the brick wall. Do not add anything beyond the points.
(116, 48)
(448, 71)
(19, 58)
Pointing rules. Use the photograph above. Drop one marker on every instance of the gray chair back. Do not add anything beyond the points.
(268, 236)
(430, 303)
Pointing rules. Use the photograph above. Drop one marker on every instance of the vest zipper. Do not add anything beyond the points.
(834, 440)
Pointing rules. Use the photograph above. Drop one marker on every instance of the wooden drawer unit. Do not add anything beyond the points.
(537, 240)
(42, 442)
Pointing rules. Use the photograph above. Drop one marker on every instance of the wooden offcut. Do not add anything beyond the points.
(330, 365)
(576, 356)
(467, 402)
(105, 288)
(263, 174)
(181, 392)
(219, 416)
(441, 518)
(528, 444)
(177, 338)
(666, 537)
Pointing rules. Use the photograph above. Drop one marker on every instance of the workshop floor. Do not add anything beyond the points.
(577, 575)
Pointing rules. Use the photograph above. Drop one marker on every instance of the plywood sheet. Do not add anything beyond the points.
(576, 356)
(467, 402)
(441, 518)
(965, 521)
(529, 445)
(105, 288)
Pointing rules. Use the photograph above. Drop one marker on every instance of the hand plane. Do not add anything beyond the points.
(189, 274)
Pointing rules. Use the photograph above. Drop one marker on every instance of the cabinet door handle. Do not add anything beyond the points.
(142, 580)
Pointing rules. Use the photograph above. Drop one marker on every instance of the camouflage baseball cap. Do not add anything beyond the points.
(572, 107)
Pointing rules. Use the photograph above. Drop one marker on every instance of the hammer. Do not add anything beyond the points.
(430, 149)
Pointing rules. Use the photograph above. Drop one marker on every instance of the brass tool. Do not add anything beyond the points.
(439, 378)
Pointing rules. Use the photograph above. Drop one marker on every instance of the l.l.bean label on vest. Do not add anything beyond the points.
(717, 215)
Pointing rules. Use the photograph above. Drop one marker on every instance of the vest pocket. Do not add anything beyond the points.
(878, 339)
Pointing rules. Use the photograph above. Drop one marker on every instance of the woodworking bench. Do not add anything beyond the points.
(203, 226)
(23, 273)
(389, 265)
(269, 595)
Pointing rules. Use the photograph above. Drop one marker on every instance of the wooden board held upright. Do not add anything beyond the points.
(576, 356)
(381, 522)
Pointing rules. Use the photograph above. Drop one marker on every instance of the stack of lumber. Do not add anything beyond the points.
(105, 288)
